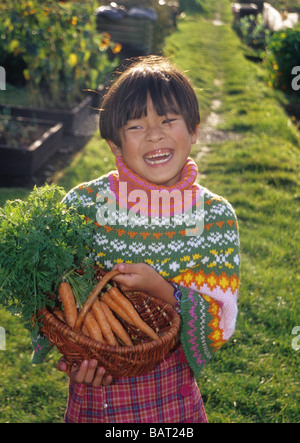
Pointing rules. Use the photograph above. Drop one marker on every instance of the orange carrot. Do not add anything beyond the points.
(92, 297)
(103, 323)
(66, 295)
(115, 325)
(107, 298)
(128, 307)
(93, 328)
(85, 331)
(59, 314)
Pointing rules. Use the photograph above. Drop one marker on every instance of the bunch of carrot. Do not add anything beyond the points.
(97, 320)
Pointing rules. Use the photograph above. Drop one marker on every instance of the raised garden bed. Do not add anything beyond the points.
(241, 10)
(26, 158)
(293, 109)
(246, 4)
(70, 119)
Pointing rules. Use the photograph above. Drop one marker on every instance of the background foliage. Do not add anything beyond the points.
(54, 48)
(282, 55)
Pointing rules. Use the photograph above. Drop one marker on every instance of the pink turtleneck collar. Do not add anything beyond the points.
(134, 192)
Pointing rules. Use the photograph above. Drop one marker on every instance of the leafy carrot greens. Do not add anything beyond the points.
(42, 242)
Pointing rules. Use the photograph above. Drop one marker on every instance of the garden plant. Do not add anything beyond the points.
(282, 55)
(54, 49)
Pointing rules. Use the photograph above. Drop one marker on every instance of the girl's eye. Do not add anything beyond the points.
(169, 120)
(132, 128)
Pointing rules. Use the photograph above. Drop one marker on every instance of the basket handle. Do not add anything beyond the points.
(92, 298)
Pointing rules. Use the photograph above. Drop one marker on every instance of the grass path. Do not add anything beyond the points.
(255, 165)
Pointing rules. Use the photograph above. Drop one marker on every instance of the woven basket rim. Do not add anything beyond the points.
(119, 361)
(45, 315)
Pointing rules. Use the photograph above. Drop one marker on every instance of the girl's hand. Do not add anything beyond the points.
(142, 277)
(87, 373)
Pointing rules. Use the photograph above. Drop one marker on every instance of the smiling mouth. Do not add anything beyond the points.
(158, 157)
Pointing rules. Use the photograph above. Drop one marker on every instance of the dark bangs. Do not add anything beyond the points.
(162, 95)
(169, 89)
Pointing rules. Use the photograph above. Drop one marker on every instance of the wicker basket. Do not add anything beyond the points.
(119, 361)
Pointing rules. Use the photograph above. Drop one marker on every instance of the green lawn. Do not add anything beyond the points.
(255, 377)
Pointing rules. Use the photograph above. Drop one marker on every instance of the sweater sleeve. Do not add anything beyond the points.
(210, 288)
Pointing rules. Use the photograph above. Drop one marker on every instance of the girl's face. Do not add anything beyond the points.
(156, 147)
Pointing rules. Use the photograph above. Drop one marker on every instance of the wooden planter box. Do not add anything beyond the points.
(26, 160)
(258, 3)
(241, 10)
(293, 109)
(71, 119)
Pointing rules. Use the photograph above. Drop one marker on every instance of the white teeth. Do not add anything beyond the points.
(158, 158)
(157, 155)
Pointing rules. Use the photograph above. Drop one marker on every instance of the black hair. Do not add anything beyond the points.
(169, 89)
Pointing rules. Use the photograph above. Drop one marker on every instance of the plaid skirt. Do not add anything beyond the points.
(167, 394)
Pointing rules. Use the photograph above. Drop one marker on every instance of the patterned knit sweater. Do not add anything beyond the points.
(198, 250)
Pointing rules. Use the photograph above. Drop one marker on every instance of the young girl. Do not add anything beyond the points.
(167, 236)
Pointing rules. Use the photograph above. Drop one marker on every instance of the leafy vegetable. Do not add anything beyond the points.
(42, 242)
